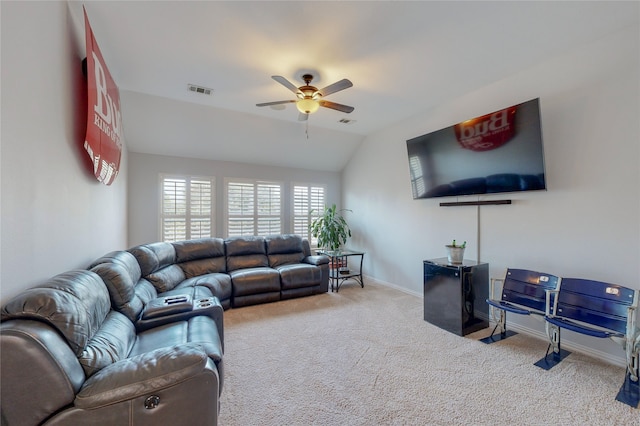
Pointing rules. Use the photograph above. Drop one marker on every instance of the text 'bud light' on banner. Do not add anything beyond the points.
(487, 132)
(103, 140)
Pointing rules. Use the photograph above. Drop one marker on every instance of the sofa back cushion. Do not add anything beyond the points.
(166, 278)
(121, 274)
(245, 252)
(111, 343)
(284, 249)
(158, 265)
(153, 257)
(201, 256)
(76, 303)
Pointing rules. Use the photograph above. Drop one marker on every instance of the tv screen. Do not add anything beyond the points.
(497, 152)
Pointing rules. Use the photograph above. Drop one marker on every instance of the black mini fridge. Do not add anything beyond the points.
(455, 295)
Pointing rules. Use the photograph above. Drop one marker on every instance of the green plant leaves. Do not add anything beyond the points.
(331, 229)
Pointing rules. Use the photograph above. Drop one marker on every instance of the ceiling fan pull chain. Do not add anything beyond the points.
(307, 129)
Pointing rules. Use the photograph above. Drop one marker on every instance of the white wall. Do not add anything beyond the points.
(585, 225)
(55, 215)
(144, 189)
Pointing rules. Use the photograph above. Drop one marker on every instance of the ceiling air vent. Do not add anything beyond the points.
(199, 89)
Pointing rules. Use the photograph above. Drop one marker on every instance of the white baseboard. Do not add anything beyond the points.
(393, 286)
(540, 335)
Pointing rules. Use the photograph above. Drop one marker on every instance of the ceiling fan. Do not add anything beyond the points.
(310, 98)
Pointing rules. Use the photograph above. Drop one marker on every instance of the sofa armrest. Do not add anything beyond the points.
(165, 306)
(141, 375)
(317, 260)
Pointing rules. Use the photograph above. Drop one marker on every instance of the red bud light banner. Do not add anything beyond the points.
(103, 140)
(487, 132)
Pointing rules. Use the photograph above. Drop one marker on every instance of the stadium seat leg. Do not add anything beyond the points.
(552, 359)
(504, 333)
(629, 392)
(497, 337)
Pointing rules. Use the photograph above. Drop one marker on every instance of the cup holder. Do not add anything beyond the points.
(204, 303)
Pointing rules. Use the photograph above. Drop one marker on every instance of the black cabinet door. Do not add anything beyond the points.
(454, 296)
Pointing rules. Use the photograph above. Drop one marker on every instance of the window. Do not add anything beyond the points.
(187, 207)
(253, 208)
(308, 203)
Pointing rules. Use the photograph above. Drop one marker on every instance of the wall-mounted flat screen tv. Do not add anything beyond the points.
(497, 152)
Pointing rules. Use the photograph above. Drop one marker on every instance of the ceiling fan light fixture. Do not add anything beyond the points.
(307, 105)
(309, 98)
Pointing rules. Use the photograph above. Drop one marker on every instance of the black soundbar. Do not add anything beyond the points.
(475, 203)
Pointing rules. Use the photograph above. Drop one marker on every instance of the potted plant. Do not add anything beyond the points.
(455, 252)
(330, 228)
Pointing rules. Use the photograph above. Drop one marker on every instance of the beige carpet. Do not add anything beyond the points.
(365, 356)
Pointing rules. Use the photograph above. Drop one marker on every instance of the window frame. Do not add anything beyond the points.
(188, 215)
(255, 217)
(312, 205)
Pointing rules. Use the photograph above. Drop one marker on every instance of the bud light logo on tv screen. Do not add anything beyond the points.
(497, 152)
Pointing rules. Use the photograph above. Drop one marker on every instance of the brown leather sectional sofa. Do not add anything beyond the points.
(137, 338)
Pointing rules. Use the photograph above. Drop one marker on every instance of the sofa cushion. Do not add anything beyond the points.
(276, 260)
(121, 274)
(155, 256)
(111, 343)
(200, 329)
(167, 278)
(123, 258)
(188, 288)
(218, 284)
(240, 246)
(287, 243)
(299, 275)
(75, 302)
(284, 249)
(195, 268)
(245, 252)
(203, 248)
(255, 280)
(246, 262)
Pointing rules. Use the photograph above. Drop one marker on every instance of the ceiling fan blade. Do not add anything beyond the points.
(338, 107)
(286, 83)
(303, 117)
(336, 87)
(275, 103)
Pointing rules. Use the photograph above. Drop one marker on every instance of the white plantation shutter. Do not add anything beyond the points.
(187, 208)
(174, 208)
(201, 203)
(308, 203)
(240, 208)
(301, 208)
(253, 208)
(269, 209)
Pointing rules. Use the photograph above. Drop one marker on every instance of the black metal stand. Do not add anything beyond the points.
(339, 270)
(629, 392)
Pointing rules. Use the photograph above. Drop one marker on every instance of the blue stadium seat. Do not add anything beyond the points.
(597, 309)
(524, 293)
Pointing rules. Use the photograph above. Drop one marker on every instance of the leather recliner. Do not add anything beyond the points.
(68, 358)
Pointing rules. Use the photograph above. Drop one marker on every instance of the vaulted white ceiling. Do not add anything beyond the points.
(403, 58)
